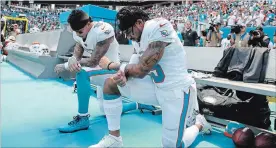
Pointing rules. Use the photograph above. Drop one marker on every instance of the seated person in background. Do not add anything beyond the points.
(98, 39)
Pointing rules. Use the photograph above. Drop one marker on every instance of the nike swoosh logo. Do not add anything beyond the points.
(103, 28)
(161, 25)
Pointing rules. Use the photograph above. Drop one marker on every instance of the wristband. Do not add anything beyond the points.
(66, 65)
(109, 65)
(122, 67)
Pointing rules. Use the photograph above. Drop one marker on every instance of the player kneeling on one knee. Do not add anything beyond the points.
(98, 39)
(156, 75)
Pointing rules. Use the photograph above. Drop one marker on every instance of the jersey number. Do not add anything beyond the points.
(157, 74)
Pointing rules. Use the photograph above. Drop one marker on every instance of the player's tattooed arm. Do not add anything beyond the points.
(150, 57)
(78, 51)
(101, 49)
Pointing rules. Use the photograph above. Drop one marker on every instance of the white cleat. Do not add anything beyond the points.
(108, 142)
(206, 127)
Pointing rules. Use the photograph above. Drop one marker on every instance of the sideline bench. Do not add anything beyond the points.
(59, 43)
(257, 88)
(208, 58)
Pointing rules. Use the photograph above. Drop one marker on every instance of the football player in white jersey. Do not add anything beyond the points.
(156, 75)
(98, 39)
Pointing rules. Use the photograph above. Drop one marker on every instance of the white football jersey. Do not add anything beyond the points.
(99, 32)
(171, 71)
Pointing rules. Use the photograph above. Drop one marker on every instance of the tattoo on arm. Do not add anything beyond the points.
(78, 51)
(101, 49)
(149, 58)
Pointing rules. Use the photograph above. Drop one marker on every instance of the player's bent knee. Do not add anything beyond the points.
(110, 87)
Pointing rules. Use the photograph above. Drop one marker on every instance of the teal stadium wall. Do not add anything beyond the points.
(97, 13)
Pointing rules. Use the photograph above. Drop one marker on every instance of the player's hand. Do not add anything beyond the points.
(59, 68)
(73, 65)
(104, 62)
(120, 78)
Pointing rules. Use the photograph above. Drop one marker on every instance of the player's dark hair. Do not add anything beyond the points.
(128, 16)
(78, 19)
